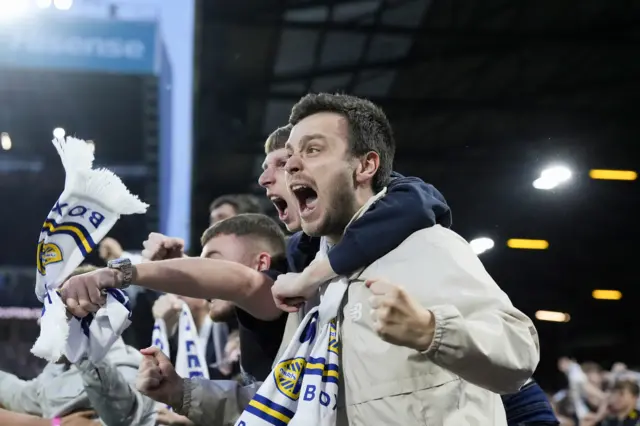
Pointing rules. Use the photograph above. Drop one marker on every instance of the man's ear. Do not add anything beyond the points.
(367, 167)
(263, 261)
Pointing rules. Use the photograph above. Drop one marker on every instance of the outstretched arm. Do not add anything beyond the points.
(19, 396)
(111, 395)
(194, 277)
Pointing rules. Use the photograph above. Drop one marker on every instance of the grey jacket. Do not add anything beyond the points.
(106, 387)
(483, 346)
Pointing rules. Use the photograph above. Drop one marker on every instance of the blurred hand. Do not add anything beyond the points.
(291, 290)
(161, 247)
(83, 293)
(221, 310)
(168, 307)
(232, 349)
(81, 418)
(157, 378)
(397, 318)
(618, 368)
(110, 249)
(564, 363)
(168, 417)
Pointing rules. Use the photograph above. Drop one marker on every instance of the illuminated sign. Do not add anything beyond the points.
(79, 44)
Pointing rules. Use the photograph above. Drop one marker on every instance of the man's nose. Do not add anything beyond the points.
(294, 164)
(265, 179)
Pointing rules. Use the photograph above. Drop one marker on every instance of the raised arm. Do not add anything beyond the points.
(479, 335)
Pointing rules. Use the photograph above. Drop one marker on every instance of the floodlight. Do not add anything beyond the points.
(5, 141)
(482, 244)
(63, 4)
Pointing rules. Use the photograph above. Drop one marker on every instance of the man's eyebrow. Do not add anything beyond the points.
(305, 140)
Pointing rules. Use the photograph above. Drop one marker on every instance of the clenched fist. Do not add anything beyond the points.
(161, 247)
(168, 308)
(158, 380)
(397, 318)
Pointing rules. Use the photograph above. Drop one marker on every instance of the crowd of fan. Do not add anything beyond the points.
(594, 396)
(597, 397)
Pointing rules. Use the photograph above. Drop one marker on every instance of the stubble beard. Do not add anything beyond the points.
(341, 206)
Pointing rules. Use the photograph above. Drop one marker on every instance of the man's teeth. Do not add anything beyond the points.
(297, 187)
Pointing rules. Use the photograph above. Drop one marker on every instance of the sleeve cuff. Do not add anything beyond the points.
(187, 390)
(442, 316)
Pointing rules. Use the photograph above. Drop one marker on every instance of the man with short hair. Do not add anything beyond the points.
(453, 336)
(622, 404)
(230, 205)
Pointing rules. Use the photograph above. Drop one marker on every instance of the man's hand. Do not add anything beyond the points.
(81, 418)
(83, 293)
(397, 318)
(168, 417)
(161, 247)
(290, 291)
(158, 380)
(168, 307)
(110, 249)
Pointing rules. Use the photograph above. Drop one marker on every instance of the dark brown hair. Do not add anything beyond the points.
(277, 139)
(369, 128)
(257, 226)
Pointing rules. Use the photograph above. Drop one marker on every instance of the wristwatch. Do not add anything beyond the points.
(125, 266)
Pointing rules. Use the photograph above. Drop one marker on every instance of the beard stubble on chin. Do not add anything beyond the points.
(341, 206)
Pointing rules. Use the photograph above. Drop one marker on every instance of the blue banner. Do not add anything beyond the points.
(71, 43)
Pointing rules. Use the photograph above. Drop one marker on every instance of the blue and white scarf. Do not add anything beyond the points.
(89, 206)
(302, 389)
(191, 358)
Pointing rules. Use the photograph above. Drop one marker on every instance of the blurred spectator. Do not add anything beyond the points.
(622, 404)
(596, 397)
(233, 204)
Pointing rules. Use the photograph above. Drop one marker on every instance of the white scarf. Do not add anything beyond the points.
(191, 357)
(89, 206)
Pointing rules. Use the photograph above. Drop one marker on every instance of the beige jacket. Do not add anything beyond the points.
(482, 346)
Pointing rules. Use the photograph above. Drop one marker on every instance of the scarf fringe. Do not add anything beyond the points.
(100, 185)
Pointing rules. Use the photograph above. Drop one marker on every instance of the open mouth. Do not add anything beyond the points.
(281, 206)
(307, 198)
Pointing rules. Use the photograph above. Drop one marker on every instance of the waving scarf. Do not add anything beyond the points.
(89, 206)
(302, 389)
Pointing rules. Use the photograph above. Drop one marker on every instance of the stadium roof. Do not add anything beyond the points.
(482, 96)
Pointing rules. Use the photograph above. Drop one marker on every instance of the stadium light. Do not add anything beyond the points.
(13, 8)
(613, 174)
(480, 245)
(44, 4)
(553, 316)
(59, 133)
(552, 177)
(606, 294)
(522, 243)
(63, 4)
(5, 141)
